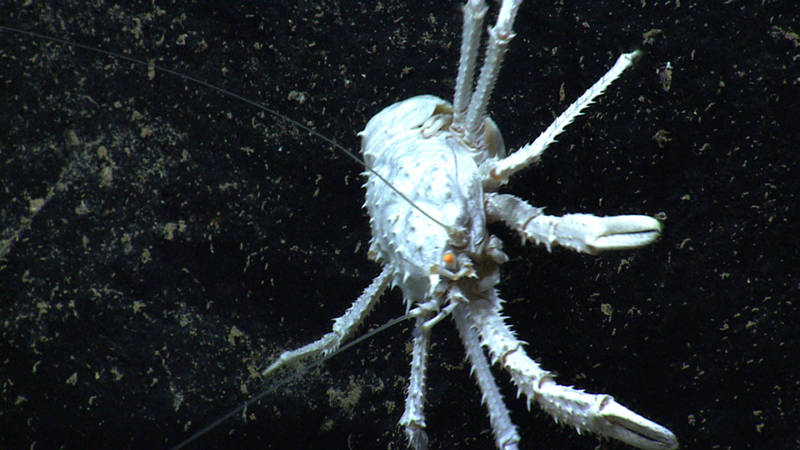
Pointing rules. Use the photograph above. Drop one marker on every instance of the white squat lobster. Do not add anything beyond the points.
(448, 161)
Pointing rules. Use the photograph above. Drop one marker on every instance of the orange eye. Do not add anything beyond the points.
(449, 258)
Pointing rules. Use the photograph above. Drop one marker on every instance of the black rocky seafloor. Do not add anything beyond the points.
(161, 243)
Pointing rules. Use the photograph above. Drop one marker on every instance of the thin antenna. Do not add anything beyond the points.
(297, 373)
(239, 97)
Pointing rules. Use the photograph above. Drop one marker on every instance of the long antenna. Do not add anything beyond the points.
(229, 93)
(297, 373)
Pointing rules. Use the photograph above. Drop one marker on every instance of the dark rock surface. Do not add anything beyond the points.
(161, 242)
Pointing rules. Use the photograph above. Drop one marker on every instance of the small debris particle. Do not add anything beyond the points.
(72, 139)
(106, 176)
(229, 185)
(665, 76)
(183, 321)
(35, 204)
(607, 310)
(146, 257)
(345, 399)
(43, 308)
(791, 36)
(177, 400)
(127, 248)
(662, 138)
(73, 379)
(82, 209)
(649, 36)
(171, 227)
(297, 96)
(234, 334)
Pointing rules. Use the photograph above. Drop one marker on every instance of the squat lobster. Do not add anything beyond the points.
(433, 174)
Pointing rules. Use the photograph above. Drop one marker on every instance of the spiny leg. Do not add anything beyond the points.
(474, 13)
(505, 432)
(581, 232)
(343, 326)
(498, 172)
(427, 315)
(500, 36)
(598, 413)
(413, 419)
